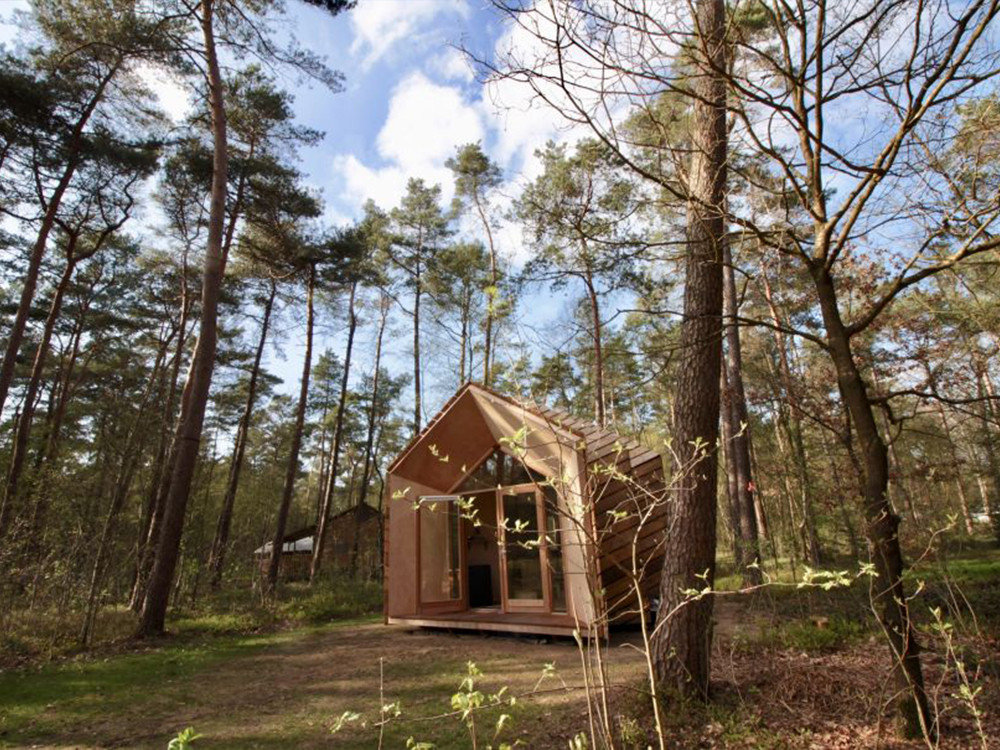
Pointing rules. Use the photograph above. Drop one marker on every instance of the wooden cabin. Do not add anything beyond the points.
(296, 555)
(340, 545)
(512, 517)
(297, 547)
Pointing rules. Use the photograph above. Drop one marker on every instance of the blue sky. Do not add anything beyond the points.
(410, 98)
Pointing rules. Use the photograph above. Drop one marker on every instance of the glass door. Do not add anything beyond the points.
(525, 586)
(441, 556)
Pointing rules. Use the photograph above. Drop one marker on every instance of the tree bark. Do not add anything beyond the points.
(739, 428)
(887, 591)
(595, 315)
(682, 644)
(193, 404)
(370, 440)
(292, 471)
(220, 544)
(322, 523)
(984, 387)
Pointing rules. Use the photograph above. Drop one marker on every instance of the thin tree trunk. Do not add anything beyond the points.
(417, 417)
(490, 295)
(986, 395)
(322, 523)
(24, 423)
(159, 486)
(682, 643)
(595, 315)
(852, 534)
(193, 404)
(20, 322)
(732, 493)
(739, 420)
(793, 426)
(220, 544)
(277, 546)
(887, 588)
(369, 442)
(963, 502)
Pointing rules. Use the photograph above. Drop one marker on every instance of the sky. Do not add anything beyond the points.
(410, 98)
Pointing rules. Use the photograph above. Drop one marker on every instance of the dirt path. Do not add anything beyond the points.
(287, 695)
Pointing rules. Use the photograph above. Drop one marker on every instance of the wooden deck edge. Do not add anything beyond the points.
(496, 627)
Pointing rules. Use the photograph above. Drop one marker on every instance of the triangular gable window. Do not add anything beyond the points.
(498, 469)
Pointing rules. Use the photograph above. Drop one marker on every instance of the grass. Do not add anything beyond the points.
(218, 671)
(30, 638)
(44, 700)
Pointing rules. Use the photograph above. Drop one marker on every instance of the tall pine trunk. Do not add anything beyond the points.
(370, 440)
(595, 315)
(291, 473)
(682, 643)
(220, 543)
(323, 521)
(199, 382)
(739, 428)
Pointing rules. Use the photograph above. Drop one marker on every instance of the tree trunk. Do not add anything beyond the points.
(220, 544)
(963, 501)
(682, 644)
(490, 295)
(292, 471)
(322, 523)
(986, 396)
(793, 426)
(595, 315)
(732, 492)
(41, 241)
(739, 421)
(370, 440)
(887, 589)
(852, 535)
(192, 416)
(417, 418)
(20, 445)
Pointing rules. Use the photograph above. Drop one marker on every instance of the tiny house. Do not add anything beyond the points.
(509, 516)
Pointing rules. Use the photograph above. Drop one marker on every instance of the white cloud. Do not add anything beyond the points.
(452, 65)
(425, 123)
(385, 185)
(380, 24)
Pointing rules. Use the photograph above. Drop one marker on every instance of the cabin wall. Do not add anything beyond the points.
(642, 529)
(402, 568)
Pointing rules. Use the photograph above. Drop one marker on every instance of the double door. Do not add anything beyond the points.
(529, 552)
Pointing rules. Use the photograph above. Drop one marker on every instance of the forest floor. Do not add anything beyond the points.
(792, 668)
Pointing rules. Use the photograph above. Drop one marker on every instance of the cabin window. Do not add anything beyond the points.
(439, 551)
(523, 547)
(498, 469)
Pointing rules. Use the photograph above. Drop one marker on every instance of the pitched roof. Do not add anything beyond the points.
(598, 442)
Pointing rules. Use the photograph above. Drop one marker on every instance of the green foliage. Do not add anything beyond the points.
(813, 635)
(334, 600)
(184, 740)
